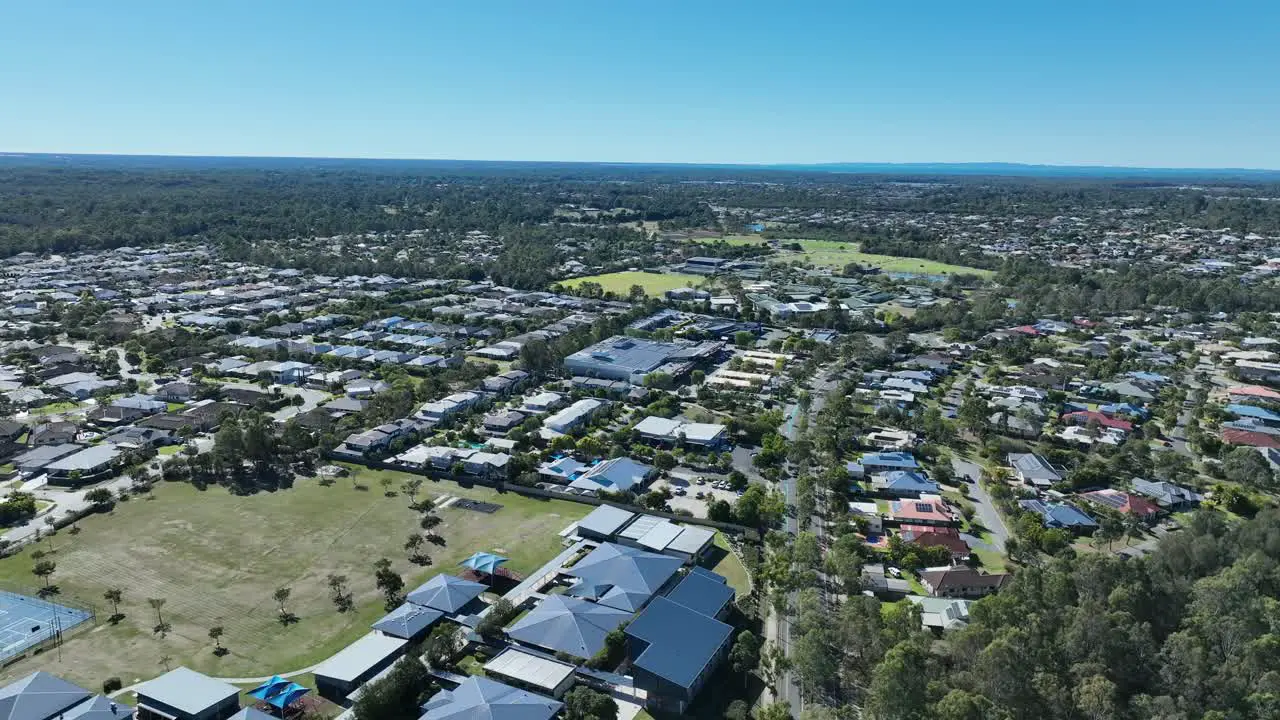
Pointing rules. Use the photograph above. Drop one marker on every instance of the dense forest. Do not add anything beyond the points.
(52, 204)
(1188, 632)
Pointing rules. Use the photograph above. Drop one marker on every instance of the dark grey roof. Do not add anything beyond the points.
(567, 624)
(39, 696)
(446, 593)
(479, 698)
(681, 641)
(706, 593)
(252, 714)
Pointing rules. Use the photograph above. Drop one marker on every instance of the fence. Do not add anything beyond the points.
(503, 486)
(33, 623)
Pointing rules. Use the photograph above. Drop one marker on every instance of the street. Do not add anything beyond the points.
(984, 508)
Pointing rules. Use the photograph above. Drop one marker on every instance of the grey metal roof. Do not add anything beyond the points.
(446, 593)
(98, 708)
(681, 642)
(39, 696)
(706, 593)
(529, 668)
(479, 698)
(605, 520)
(87, 459)
(691, 540)
(45, 454)
(357, 658)
(567, 624)
(632, 576)
(660, 536)
(186, 690)
(407, 620)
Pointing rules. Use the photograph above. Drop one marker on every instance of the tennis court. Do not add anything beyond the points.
(27, 621)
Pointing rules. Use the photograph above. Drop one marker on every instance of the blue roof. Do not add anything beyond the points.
(446, 593)
(1253, 411)
(278, 692)
(704, 592)
(681, 641)
(631, 576)
(1148, 376)
(567, 624)
(905, 480)
(890, 459)
(479, 698)
(407, 620)
(1059, 515)
(483, 562)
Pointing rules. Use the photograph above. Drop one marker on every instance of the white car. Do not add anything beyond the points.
(895, 572)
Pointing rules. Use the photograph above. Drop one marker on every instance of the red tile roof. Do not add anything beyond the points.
(1233, 436)
(1084, 417)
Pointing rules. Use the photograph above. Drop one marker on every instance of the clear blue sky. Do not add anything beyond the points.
(1120, 82)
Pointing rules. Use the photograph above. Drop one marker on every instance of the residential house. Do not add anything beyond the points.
(679, 432)
(1032, 469)
(1061, 516)
(902, 484)
(1123, 502)
(1173, 498)
(960, 581)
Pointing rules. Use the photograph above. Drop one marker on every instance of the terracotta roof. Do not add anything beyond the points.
(1233, 436)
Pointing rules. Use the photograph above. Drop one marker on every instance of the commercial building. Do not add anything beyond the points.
(42, 696)
(673, 432)
(184, 694)
(632, 360)
(479, 697)
(356, 664)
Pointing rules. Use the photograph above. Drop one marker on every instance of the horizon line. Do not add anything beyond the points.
(828, 166)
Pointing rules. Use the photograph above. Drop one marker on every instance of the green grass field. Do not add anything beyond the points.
(833, 254)
(730, 568)
(216, 559)
(653, 283)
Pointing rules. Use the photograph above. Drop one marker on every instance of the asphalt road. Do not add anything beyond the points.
(984, 508)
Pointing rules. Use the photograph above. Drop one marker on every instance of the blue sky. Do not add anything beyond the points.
(1123, 82)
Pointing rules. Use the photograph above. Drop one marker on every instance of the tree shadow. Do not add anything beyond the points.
(220, 651)
(288, 618)
(116, 618)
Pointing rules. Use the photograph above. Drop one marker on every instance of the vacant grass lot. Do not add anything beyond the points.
(217, 558)
(654, 284)
(838, 254)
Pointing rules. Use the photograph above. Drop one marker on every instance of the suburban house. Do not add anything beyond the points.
(1034, 470)
(1123, 502)
(1061, 516)
(903, 484)
(574, 416)
(1171, 497)
(960, 581)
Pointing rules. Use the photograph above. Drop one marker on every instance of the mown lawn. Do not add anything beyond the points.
(216, 559)
(730, 568)
(834, 254)
(654, 284)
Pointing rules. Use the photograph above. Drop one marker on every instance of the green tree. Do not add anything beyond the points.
(583, 703)
(114, 596)
(399, 694)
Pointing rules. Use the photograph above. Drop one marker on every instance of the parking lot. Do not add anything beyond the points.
(689, 501)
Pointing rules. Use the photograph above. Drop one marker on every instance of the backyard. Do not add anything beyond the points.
(654, 284)
(217, 558)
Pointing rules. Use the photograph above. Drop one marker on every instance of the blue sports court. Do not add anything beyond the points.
(27, 621)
